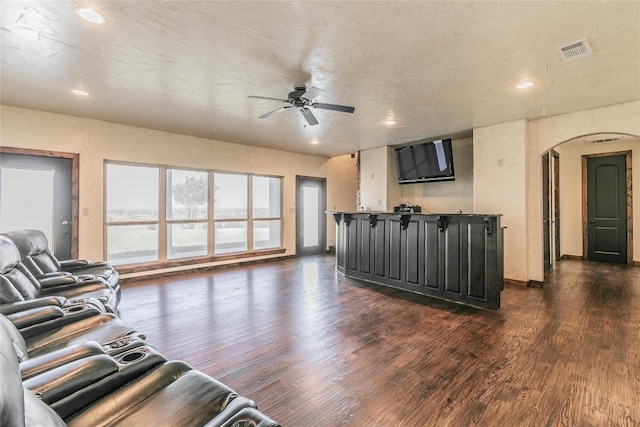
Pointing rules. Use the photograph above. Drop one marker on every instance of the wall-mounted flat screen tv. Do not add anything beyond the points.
(426, 162)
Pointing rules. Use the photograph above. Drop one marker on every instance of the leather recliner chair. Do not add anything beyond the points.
(70, 378)
(171, 394)
(50, 328)
(18, 284)
(37, 258)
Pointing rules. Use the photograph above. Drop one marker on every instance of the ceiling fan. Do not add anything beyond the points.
(303, 98)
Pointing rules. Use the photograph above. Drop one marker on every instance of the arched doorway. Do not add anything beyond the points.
(569, 199)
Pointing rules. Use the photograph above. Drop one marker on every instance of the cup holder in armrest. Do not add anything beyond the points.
(122, 342)
(122, 345)
(74, 308)
(131, 356)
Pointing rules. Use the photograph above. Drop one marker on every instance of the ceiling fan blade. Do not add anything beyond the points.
(308, 115)
(312, 93)
(334, 107)
(271, 113)
(267, 97)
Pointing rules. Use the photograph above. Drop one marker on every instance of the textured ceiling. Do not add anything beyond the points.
(439, 68)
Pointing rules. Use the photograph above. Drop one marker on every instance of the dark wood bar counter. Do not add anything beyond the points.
(455, 257)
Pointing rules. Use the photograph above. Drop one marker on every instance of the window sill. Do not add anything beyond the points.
(159, 265)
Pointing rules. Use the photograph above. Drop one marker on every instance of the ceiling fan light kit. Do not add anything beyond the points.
(303, 98)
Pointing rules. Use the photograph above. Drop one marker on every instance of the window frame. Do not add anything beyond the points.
(163, 222)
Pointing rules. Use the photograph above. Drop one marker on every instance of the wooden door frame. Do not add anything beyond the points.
(629, 197)
(555, 166)
(552, 158)
(75, 187)
(546, 212)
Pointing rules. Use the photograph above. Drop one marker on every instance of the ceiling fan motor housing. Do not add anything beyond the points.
(297, 92)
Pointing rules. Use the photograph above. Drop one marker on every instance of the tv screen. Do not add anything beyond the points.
(430, 161)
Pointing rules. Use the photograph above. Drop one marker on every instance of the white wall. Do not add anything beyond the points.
(571, 202)
(373, 179)
(97, 141)
(341, 193)
(500, 176)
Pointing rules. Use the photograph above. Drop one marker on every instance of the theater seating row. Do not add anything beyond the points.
(67, 359)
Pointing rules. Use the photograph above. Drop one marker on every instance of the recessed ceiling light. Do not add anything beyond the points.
(525, 85)
(90, 15)
(390, 122)
(314, 141)
(80, 92)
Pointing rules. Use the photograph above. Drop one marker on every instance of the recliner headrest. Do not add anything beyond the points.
(29, 241)
(9, 255)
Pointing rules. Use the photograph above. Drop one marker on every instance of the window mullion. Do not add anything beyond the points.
(250, 212)
(211, 228)
(162, 215)
(281, 218)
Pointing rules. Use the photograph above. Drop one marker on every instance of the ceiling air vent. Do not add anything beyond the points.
(600, 141)
(577, 50)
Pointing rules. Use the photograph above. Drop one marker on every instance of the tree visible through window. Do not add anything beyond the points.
(192, 193)
(143, 225)
(187, 213)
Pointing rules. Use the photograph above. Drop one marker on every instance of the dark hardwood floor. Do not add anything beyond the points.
(313, 348)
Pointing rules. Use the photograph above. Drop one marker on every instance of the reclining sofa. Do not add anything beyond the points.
(66, 361)
(17, 282)
(40, 261)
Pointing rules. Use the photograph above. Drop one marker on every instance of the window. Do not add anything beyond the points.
(132, 213)
(158, 213)
(266, 212)
(230, 204)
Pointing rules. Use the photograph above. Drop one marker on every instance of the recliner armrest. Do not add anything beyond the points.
(133, 364)
(67, 379)
(55, 281)
(74, 267)
(54, 274)
(27, 318)
(46, 362)
(74, 263)
(73, 282)
(71, 314)
(15, 307)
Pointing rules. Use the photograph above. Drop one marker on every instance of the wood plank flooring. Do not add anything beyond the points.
(314, 348)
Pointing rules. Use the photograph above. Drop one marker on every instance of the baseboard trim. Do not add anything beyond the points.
(574, 257)
(527, 284)
(515, 282)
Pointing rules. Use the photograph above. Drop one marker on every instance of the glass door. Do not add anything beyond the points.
(310, 217)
